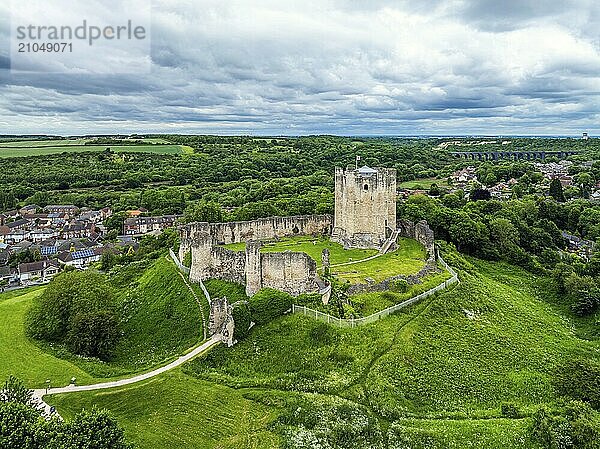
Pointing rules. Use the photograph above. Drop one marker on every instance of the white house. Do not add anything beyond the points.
(38, 272)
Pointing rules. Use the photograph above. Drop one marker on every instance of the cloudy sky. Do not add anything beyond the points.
(351, 67)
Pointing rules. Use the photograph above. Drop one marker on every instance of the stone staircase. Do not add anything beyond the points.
(389, 243)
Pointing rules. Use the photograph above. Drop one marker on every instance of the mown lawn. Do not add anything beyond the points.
(178, 411)
(409, 258)
(313, 246)
(19, 356)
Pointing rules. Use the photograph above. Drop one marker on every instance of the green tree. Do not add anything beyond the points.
(203, 211)
(556, 190)
(115, 222)
(77, 309)
(585, 182)
(435, 190)
(93, 429)
(20, 427)
(7, 200)
(93, 334)
(14, 390)
(505, 236)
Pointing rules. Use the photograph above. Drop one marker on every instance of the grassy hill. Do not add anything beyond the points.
(434, 376)
(161, 321)
(20, 356)
(162, 318)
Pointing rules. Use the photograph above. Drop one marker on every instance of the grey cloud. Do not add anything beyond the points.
(336, 66)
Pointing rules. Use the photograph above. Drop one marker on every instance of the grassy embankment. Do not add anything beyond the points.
(434, 375)
(161, 321)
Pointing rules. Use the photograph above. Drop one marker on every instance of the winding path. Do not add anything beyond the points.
(40, 393)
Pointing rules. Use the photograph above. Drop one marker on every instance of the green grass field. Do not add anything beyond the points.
(162, 321)
(179, 411)
(408, 259)
(313, 246)
(64, 142)
(46, 147)
(22, 358)
(423, 184)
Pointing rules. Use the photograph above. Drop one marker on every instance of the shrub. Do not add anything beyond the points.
(329, 423)
(242, 319)
(389, 296)
(399, 286)
(578, 428)
(93, 334)
(580, 379)
(268, 304)
(510, 410)
(404, 437)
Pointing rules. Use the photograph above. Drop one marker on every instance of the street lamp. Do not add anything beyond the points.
(47, 385)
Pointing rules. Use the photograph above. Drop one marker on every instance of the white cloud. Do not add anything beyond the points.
(337, 66)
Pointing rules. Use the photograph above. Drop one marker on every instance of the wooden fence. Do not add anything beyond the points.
(354, 322)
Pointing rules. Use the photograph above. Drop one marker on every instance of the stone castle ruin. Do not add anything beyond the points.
(291, 272)
(365, 217)
(365, 207)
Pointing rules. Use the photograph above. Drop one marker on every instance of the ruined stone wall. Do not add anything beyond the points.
(291, 272)
(420, 231)
(210, 261)
(365, 207)
(254, 275)
(261, 229)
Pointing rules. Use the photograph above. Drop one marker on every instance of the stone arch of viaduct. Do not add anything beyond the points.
(511, 155)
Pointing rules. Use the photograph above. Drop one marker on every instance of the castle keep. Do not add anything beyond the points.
(365, 206)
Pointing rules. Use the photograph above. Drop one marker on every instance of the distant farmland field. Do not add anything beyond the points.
(45, 147)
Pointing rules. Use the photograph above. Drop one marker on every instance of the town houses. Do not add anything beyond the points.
(37, 242)
(144, 225)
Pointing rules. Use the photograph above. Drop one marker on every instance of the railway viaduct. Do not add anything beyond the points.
(511, 155)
